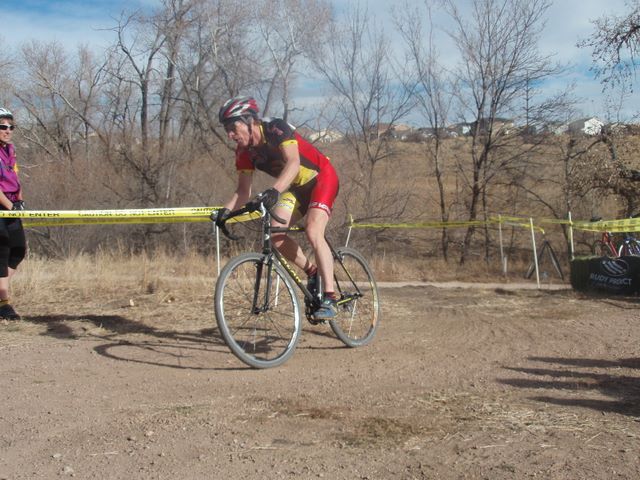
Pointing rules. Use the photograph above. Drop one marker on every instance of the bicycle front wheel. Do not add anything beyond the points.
(257, 311)
(358, 302)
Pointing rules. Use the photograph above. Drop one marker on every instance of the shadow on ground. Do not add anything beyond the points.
(578, 379)
(167, 348)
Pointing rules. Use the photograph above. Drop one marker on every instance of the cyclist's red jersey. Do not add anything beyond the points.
(316, 184)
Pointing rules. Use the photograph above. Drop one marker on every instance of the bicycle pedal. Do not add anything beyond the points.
(314, 321)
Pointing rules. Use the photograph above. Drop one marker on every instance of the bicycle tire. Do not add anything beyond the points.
(556, 262)
(623, 250)
(260, 339)
(634, 247)
(601, 249)
(530, 269)
(358, 318)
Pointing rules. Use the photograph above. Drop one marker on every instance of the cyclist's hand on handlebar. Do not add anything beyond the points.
(269, 198)
(220, 216)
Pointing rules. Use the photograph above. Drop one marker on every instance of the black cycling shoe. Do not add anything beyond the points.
(328, 310)
(8, 313)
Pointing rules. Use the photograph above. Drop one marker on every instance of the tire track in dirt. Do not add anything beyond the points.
(459, 383)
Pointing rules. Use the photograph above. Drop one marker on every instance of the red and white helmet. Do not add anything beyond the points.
(238, 108)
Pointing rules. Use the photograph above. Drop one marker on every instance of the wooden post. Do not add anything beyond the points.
(217, 248)
(535, 251)
(346, 244)
(571, 247)
(503, 260)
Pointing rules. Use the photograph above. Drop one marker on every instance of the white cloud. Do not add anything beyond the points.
(75, 22)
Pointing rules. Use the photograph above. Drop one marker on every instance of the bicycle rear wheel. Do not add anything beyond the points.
(602, 249)
(358, 303)
(257, 311)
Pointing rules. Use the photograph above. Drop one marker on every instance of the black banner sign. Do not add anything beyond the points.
(614, 275)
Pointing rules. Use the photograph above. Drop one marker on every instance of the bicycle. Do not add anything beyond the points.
(605, 246)
(629, 245)
(257, 309)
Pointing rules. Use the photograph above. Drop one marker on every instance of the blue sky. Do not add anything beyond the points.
(74, 22)
(70, 22)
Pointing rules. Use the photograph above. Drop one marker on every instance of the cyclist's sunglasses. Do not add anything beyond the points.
(7, 127)
(230, 126)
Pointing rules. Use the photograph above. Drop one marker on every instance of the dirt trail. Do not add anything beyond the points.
(459, 383)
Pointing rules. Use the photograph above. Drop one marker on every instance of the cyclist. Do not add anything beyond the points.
(305, 184)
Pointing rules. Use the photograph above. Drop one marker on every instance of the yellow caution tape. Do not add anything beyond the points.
(615, 226)
(111, 221)
(451, 224)
(421, 224)
(124, 213)
(38, 218)
(49, 218)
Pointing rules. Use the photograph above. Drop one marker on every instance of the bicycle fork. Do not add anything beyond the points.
(261, 301)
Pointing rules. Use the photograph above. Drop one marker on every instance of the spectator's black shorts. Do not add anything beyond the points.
(13, 244)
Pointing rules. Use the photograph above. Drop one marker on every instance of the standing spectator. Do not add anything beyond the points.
(13, 245)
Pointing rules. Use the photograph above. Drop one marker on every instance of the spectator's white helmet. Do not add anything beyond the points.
(4, 113)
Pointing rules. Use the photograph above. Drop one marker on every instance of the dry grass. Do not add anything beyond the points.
(103, 274)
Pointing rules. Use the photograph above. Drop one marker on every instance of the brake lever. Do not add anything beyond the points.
(276, 217)
(225, 230)
(228, 234)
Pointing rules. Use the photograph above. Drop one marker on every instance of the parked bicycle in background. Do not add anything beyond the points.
(610, 245)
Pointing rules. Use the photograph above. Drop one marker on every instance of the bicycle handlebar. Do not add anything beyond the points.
(252, 206)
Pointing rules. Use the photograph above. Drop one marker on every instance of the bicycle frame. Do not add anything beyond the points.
(261, 331)
(607, 241)
(271, 252)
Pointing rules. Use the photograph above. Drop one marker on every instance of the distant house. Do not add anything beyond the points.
(459, 129)
(585, 126)
(503, 126)
(557, 128)
(325, 136)
(500, 126)
(401, 131)
(617, 128)
(425, 133)
(397, 131)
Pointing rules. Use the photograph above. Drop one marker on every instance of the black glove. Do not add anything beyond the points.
(220, 216)
(18, 205)
(269, 198)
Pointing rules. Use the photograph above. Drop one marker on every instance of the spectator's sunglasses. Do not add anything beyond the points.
(6, 127)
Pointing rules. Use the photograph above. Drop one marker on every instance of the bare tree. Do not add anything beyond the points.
(138, 56)
(365, 82)
(219, 59)
(173, 21)
(615, 44)
(433, 93)
(498, 47)
(291, 30)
